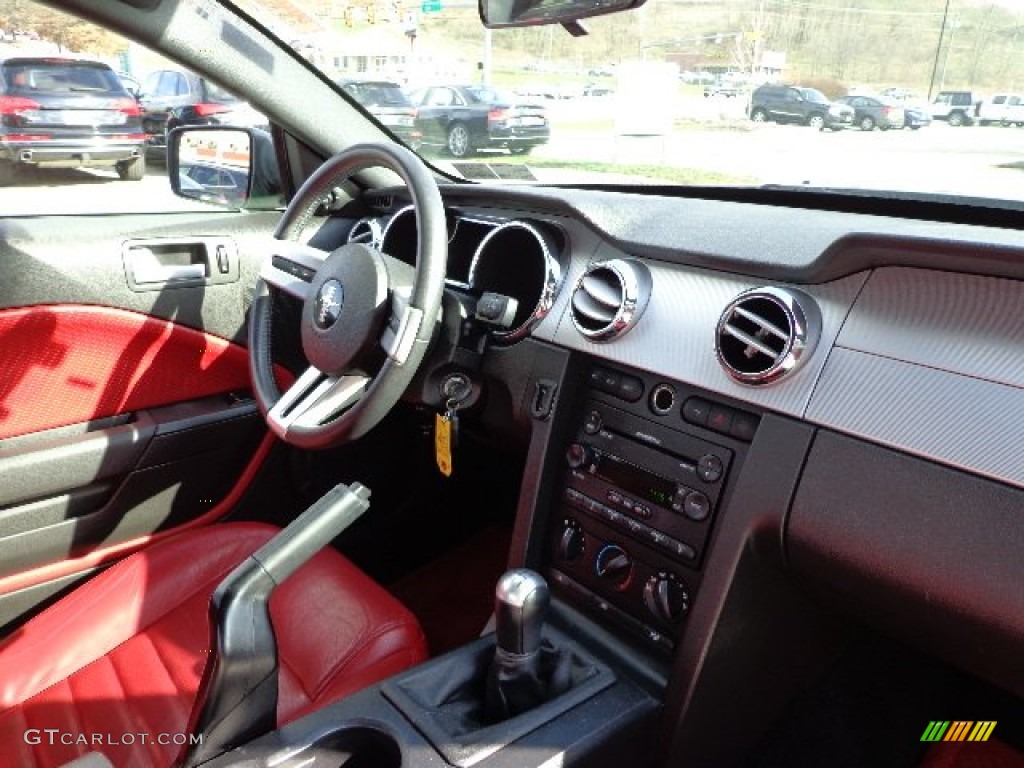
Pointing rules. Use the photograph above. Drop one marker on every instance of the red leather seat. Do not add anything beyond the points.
(122, 655)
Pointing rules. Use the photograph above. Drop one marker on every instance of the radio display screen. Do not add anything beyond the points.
(635, 480)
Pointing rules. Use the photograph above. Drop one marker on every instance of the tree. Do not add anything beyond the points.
(68, 32)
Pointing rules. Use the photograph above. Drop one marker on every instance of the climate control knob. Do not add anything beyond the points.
(614, 565)
(666, 596)
(572, 541)
(578, 455)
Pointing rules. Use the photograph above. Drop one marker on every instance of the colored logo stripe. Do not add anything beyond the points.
(958, 730)
(982, 730)
(935, 731)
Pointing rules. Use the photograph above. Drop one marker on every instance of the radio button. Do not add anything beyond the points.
(696, 411)
(709, 468)
(630, 388)
(744, 426)
(578, 455)
(720, 419)
(697, 506)
(593, 422)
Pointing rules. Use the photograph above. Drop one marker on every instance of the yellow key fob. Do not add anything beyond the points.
(443, 443)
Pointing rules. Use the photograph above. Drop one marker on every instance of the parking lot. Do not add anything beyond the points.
(709, 135)
(714, 135)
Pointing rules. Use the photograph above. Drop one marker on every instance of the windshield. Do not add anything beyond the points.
(919, 97)
(673, 93)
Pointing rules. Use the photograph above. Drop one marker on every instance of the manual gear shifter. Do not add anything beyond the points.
(521, 601)
(525, 671)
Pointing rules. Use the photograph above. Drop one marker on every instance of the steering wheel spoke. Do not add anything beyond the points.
(314, 399)
(291, 266)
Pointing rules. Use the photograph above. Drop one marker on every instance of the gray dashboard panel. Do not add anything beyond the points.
(961, 323)
(675, 336)
(772, 242)
(958, 420)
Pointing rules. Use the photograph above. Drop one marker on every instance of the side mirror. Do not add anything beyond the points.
(497, 14)
(230, 167)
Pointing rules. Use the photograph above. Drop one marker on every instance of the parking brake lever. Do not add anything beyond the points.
(237, 699)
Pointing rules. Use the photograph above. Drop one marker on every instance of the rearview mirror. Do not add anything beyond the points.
(231, 167)
(498, 14)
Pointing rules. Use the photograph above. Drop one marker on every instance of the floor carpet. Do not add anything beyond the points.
(453, 596)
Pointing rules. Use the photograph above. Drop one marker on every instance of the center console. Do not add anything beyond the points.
(638, 498)
(633, 475)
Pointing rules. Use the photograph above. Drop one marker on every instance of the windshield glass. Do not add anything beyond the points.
(682, 93)
(921, 97)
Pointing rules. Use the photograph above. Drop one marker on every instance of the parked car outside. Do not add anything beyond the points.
(387, 102)
(797, 104)
(916, 116)
(1002, 108)
(870, 112)
(130, 83)
(465, 118)
(724, 87)
(171, 98)
(63, 112)
(956, 107)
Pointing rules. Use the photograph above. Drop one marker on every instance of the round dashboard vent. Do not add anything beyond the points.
(367, 231)
(609, 298)
(765, 333)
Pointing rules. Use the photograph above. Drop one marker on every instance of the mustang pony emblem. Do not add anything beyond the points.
(327, 307)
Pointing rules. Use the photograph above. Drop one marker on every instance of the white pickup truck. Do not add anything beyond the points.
(1002, 108)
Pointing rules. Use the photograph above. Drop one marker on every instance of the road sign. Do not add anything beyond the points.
(431, 6)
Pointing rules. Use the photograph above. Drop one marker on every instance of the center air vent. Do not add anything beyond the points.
(764, 333)
(609, 298)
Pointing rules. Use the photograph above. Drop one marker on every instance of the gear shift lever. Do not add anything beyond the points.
(521, 601)
(524, 672)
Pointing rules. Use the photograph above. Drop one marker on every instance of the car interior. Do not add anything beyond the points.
(413, 471)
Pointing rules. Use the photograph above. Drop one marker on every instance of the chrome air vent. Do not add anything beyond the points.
(367, 231)
(609, 298)
(765, 333)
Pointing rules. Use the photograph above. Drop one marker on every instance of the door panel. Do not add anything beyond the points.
(97, 362)
(124, 413)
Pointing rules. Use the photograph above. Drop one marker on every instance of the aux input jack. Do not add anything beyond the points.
(663, 399)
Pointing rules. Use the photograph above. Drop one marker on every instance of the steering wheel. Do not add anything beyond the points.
(359, 306)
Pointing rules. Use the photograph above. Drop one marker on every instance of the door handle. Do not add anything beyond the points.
(147, 267)
(152, 264)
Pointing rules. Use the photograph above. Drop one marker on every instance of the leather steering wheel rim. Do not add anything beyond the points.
(326, 408)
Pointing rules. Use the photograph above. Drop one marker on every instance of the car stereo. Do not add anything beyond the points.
(637, 500)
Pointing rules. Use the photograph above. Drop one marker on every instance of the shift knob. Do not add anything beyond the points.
(521, 601)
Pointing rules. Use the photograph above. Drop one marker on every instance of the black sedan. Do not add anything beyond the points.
(872, 112)
(171, 98)
(465, 118)
(387, 102)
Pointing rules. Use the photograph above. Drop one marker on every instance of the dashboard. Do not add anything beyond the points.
(841, 393)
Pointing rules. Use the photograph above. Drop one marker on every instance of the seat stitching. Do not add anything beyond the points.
(180, 689)
(140, 631)
(136, 717)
